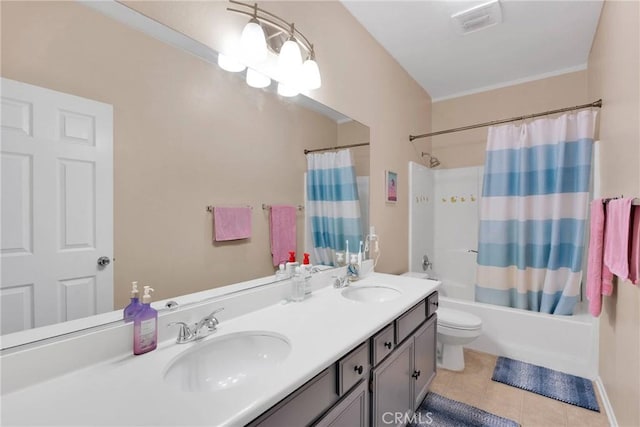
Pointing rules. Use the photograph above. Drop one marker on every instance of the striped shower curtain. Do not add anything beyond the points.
(533, 213)
(332, 206)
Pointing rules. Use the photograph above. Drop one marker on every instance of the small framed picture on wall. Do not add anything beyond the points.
(391, 187)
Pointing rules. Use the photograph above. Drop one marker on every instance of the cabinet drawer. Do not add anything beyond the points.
(352, 368)
(409, 321)
(382, 344)
(432, 304)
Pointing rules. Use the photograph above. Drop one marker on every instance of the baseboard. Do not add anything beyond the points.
(606, 403)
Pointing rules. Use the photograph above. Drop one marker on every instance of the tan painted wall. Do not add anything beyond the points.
(356, 133)
(360, 79)
(614, 70)
(467, 148)
(187, 135)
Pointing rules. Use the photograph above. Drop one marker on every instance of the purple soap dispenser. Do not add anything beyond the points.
(134, 306)
(145, 326)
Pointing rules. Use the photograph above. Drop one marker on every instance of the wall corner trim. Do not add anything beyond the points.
(606, 402)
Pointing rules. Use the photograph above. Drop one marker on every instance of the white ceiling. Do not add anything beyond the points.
(536, 39)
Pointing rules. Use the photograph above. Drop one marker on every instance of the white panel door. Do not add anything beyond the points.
(57, 206)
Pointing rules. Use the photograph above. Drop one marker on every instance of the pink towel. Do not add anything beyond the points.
(616, 237)
(282, 223)
(231, 223)
(595, 267)
(634, 242)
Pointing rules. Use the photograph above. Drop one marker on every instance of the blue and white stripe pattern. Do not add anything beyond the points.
(533, 213)
(332, 206)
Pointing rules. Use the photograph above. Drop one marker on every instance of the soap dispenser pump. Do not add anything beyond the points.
(134, 306)
(145, 326)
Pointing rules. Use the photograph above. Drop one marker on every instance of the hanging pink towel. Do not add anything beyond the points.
(616, 237)
(231, 223)
(634, 242)
(282, 224)
(594, 263)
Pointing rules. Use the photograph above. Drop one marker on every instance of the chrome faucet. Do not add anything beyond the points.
(206, 326)
(340, 281)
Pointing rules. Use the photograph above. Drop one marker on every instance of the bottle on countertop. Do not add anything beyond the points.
(134, 306)
(353, 268)
(145, 326)
(306, 265)
(291, 264)
(297, 290)
(281, 273)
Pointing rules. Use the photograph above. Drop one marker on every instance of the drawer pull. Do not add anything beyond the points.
(388, 344)
(415, 374)
(436, 303)
(359, 369)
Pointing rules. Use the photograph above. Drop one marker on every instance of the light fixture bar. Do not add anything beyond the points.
(284, 26)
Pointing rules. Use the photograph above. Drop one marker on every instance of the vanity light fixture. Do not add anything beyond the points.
(257, 79)
(253, 41)
(295, 67)
(227, 63)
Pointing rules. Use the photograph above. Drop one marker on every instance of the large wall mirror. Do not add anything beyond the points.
(185, 135)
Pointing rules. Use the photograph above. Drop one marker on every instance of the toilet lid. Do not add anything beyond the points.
(458, 319)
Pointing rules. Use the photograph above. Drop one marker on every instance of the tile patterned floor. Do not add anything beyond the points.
(474, 386)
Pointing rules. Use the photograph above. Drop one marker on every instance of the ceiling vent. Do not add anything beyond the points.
(476, 18)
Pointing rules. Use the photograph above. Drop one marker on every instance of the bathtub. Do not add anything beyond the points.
(564, 343)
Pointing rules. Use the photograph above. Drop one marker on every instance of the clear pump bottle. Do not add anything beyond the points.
(297, 287)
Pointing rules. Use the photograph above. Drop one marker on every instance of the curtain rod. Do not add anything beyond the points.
(597, 104)
(315, 150)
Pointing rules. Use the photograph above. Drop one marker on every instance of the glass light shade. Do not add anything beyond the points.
(253, 42)
(287, 91)
(290, 63)
(229, 64)
(256, 79)
(311, 75)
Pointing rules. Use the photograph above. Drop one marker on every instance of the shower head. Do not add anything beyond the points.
(433, 161)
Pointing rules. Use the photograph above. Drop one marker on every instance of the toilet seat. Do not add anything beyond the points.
(456, 319)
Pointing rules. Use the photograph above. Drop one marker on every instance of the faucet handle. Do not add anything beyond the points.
(184, 334)
(211, 322)
(339, 281)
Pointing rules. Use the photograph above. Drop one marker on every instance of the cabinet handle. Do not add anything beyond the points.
(436, 303)
(359, 369)
(388, 344)
(415, 374)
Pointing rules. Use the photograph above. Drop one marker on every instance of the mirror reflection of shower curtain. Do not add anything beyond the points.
(533, 213)
(333, 206)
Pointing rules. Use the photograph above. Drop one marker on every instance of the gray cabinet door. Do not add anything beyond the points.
(393, 388)
(351, 411)
(424, 341)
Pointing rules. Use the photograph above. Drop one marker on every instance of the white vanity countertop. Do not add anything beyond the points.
(130, 390)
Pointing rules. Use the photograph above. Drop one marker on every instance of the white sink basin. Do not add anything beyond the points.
(373, 293)
(228, 361)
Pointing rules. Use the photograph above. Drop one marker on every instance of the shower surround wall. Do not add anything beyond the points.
(455, 236)
(444, 224)
(446, 228)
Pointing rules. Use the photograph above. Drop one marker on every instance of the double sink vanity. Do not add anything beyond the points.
(360, 355)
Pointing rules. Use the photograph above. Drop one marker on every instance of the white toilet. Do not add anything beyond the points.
(455, 329)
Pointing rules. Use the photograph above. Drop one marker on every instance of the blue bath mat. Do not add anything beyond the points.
(438, 411)
(566, 388)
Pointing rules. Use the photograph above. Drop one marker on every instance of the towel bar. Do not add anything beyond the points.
(266, 207)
